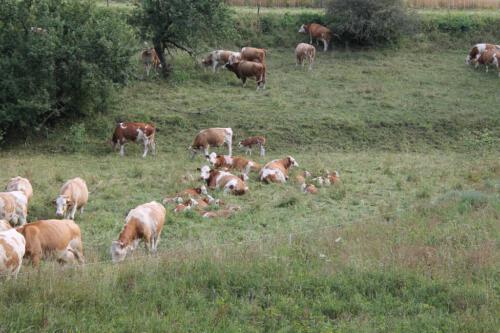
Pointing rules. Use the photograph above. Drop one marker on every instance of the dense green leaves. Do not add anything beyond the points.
(58, 57)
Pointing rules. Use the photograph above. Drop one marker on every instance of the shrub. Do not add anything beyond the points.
(369, 22)
(58, 58)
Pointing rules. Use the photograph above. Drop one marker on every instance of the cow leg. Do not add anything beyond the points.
(122, 150)
(228, 139)
(205, 151)
(244, 80)
(81, 210)
(262, 150)
(152, 144)
(487, 69)
(146, 147)
(148, 68)
(214, 66)
(325, 45)
(73, 211)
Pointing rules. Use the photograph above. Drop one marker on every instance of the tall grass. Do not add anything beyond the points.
(439, 4)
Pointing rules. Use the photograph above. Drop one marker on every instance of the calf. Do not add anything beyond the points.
(276, 171)
(150, 60)
(318, 32)
(309, 188)
(212, 137)
(220, 179)
(476, 51)
(73, 195)
(189, 193)
(258, 141)
(12, 248)
(59, 239)
(14, 207)
(135, 132)
(218, 58)
(20, 184)
(301, 177)
(145, 222)
(245, 69)
(238, 163)
(305, 51)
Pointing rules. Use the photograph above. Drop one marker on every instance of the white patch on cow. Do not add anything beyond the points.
(205, 172)
(302, 29)
(17, 243)
(228, 160)
(212, 158)
(272, 172)
(123, 126)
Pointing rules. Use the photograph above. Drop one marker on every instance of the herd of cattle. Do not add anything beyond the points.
(249, 62)
(61, 240)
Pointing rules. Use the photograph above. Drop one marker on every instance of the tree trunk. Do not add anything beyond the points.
(165, 67)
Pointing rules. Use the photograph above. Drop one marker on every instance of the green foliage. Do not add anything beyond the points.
(58, 58)
(369, 22)
(182, 24)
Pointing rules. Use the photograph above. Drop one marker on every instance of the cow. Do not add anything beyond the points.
(212, 137)
(305, 51)
(145, 222)
(134, 132)
(301, 177)
(73, 195)
(248, 143)
(476, 51)
(309, 188)
(221, 213)
(150, 60)
(12, 248)
(187, 193)
(20, 184)
(237, 162)
(245, 69)
(58, 239)
(223, 180)
(218, 58)
(14, 207)
(318, 32)
(276, 171)
(249, 54)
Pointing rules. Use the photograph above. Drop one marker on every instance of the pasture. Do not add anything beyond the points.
(407, 242)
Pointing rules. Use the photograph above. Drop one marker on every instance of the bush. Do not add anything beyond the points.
(369, 22)
(58, 58)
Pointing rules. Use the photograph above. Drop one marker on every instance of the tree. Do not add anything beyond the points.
(181, 24)
(58, 58)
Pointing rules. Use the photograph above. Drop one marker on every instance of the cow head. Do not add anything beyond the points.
(204, 190)
(212, 158)
(235, 57)
(208, 61)
(205, 172)
(63, 203)
(304, 28)
(118, 251)
(292, 162)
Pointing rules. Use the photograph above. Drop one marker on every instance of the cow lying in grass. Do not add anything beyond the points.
(216, 179)
(276, 171)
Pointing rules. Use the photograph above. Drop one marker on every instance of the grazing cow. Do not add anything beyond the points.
(145, 222)
(318, 32)
(12, 248)
(276, 171)
(476, 51)
(237, 162)
(249, 54)
(305, 51)
(258, 141)
(20, 184)
(73, 195)
(245, 69)
(220, 179)
(14, 207)
(59, 239)
(150, 60)
(212, 137)
(218, 58)
(134, 132)
(489, 57)
(187, 193)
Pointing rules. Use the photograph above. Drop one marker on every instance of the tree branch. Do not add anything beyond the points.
(190, 52)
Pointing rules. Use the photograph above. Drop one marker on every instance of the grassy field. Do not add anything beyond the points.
(408, 242)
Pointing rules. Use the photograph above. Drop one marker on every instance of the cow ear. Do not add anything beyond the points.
(198, 169)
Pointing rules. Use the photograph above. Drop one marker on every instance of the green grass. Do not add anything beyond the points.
(407, 243)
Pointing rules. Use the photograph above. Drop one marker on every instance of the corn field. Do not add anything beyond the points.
(444, 4)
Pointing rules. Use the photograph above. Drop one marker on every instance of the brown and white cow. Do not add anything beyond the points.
(301, 177)
(251, 54)
(476, 51)
(14, 207)
(212, 137)
(245, 69)
(189, 193)
(237, 162)
(20, 184)
(150, 60)
(318, 32)
(12, 248)
(134, 132)
(309, 188)
(73, 195)
(276, 171)
(145, 222)
(258, 141)
(305, 51)
(58, 239)
(218, 58)
(223, 180)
